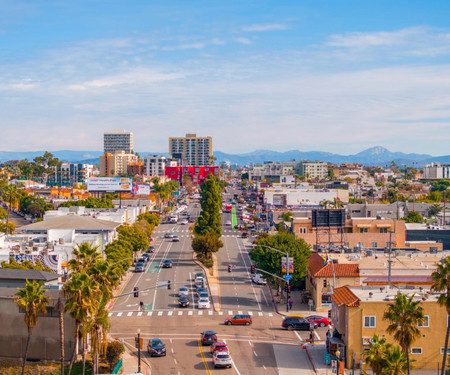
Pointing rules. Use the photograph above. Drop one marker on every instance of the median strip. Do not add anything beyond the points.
(200, 348)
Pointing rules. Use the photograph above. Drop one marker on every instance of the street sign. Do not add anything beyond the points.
(283, 264)
(287, 277)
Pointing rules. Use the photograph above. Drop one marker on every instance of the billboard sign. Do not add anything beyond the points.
(141, 190)
(283, 264)
(109, 184)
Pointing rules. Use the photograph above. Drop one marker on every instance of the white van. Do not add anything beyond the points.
(173, 220)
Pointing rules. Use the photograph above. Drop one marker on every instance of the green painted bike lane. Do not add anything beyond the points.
(233, 216)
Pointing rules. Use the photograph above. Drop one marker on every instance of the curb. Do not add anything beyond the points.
(311, 360)
(124, 282)
(206, 271)
(274, 303)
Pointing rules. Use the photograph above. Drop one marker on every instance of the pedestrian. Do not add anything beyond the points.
(290, 303)
(141, 305)
(328, 333)
(311, 337)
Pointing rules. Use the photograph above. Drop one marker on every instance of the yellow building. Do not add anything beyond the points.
(357, 315)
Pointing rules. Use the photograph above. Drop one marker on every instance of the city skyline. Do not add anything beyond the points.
(338, 77)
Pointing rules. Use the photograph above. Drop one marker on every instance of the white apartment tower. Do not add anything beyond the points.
(118, 140)
(192, 150)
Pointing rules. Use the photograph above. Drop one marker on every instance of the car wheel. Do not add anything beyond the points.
(322, 324)
(290, 328)
(229, 323)
(247, 323)
(215, 366)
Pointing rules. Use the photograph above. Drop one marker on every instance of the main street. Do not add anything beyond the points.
(261, 348)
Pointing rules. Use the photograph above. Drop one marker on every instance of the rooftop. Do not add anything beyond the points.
(71, 222)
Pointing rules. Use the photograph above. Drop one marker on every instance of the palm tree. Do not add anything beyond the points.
(60, 308)
(441, 283)
(10, 195)
(394, 361)
(374, 356)
(404, 315)
(84, 256)
(31, 298)
(82, 294)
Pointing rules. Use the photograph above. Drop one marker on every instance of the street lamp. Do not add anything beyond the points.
(139, 349)
(287, 271)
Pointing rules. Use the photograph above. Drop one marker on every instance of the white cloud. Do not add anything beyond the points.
(243, 40)
(265, 27)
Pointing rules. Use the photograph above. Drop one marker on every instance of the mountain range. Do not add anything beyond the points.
(374, 156)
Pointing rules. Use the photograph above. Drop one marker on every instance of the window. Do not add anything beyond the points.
(301, 230)
(383, 230)
(425, 323)
(416, 350)
(369, 321)
(325, 283)
(363, 230)
(374, 244)
(442, 350)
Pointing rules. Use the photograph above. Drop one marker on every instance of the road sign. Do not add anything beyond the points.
(287, 277)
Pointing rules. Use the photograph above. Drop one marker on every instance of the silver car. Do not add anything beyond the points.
(183, 291)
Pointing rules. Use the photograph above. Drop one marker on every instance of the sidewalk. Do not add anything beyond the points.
(130, 361)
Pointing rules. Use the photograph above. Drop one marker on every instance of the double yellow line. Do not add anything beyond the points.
(200, 348)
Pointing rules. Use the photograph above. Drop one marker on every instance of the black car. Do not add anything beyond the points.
(167, 263)
(208, 338)
(156, 348)
(294, 322)
(244, 235)
(183, 301)
(151, 249)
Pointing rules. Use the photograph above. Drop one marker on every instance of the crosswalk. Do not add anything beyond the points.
(172, 313)
(160, 233)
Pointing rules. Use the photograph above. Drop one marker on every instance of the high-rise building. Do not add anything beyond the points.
(118, 140)
(191, 150)
(116, 164)
(154, 165)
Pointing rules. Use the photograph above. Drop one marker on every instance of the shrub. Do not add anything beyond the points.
(114, 351)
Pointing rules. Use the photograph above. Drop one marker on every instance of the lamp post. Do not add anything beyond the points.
(139, 349)
(287, 271)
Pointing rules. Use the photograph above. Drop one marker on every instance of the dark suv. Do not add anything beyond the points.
(293, 322)
(208, 337)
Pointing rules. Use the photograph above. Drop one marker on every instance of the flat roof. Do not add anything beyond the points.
(71, 222)
(379, 294)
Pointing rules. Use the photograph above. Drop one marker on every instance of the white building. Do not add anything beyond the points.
(436, 171)
(118, 140)
(155, 165)
(191, 150)
(292, 198)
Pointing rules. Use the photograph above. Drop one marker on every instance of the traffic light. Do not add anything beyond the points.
(229, 268)
(168, 284)
(252, 269)
(136, 291)
(288, 288)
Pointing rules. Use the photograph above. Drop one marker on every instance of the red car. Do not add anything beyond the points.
(320, 320)
(219, 347)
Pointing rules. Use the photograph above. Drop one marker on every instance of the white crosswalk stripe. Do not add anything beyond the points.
(210, 312)
(130, 313)
(260, 313)
(119, 314)
(220, 312)
(250, 313)
(139, 313)
(160, 313)
(230, 312)
(150, 313)
(200, 313)
(182, 312)
(240, 312)
(170, 313)
(190, 312)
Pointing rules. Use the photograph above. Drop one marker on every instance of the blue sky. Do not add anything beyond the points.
(337, 76)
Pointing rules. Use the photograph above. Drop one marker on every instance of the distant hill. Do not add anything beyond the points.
(375, 156)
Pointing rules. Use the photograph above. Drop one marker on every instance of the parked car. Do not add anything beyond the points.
(208, 338)
(168, 235)
(151, 249)
(183, 291)
(292, 322)
(139, 267)
(167, 263)
(203, 303)
(320, 320)
(239, 319)
(146, 257)
(222, 359)
(219, 347)
(199, 275)
(258, 279)
(201, 290)
(156, 348)
(143, 259)
(203, 295)
(228, 223)
(183, 301)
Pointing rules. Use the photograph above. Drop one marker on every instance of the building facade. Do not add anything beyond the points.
(70, 173)
(155, 165)
(118, 140)
(116, 164)
(435, 171)
(191, 150)
(313, 169)
(196, 174)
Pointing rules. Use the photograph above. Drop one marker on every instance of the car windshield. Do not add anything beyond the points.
(209, 334)
(204, 295)
(167, 261)
(183, 289)
(223, 356)
(203, 300)
(157, 343)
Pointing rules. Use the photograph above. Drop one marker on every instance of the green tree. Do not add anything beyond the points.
(205, 245)
(135, 236)
(114, 351)
(435, 196)
(441, 283)
(286, 216)
(3, 213)
(440, 185)
(84, 256)
(434, 209)
(394, 361)
(152, 219)
(119, 254)
(25, 265)
(374, 357)
(211, 203)
(32, 299)
(270, 260)
(404, 314)
(413, 217)
(10, 195)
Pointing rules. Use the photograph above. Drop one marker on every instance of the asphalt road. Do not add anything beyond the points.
(261, 348)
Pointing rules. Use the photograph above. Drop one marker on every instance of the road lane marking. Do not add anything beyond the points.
(208, 371)
(150, 313)
(180, 313)
(299, 337)
(317, 335)
(170, 313)
(160, 313)
(190, 312)
(175, 361)
(139, 313)
(171, 348)
(270, 314)
(110, 315)
(119, 314)
(130, 313)
(249, 342)
(255, 353)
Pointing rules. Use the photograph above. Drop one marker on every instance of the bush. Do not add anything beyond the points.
(114, 351)
(208, 263)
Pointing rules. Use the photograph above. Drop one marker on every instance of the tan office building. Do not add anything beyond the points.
(116, 164)
(192, 150)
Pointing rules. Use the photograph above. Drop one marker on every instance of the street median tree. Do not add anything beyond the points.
(205, 245)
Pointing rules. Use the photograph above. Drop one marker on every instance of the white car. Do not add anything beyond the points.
(183, 291)
(222, 359)
(203, 303)
(258, 279)
(183, 222)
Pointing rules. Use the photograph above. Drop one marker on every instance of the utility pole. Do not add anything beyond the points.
(389, 261)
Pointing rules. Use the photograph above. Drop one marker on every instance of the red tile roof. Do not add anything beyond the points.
(344, 296)
(317, 268)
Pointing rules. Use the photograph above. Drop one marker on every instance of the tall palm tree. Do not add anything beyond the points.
(85, 255)
(374, 356)
(394, 361)
(441, 283)
(404, 314)
(81, 293)
(31, 298)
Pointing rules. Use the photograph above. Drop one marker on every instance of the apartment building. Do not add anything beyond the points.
(191, 150)
(116, 164)
(118, 140)
(277, 197)
(435, 171)
(357, 315)
(196, 174)
(70, 173)
(313, 169)
(155, 165)
(344, 168)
